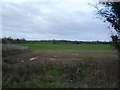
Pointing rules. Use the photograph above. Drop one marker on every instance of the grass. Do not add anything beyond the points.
(71, 74)
(12, 52)
(68, 46)
(79, 67)
(32, 76)
(43, 85)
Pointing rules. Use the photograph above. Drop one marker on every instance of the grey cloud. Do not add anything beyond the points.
(48, 21)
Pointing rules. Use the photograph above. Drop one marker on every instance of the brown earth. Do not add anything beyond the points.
(61, 55)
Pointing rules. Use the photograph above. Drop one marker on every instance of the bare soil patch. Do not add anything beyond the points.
(61, 55)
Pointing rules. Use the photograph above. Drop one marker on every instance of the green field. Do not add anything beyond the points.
(68, 46)
(61, 66)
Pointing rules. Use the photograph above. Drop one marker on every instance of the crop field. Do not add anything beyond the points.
(68, 46)
(62, 66)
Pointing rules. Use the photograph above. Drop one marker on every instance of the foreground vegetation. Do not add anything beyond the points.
(68, 46)
(61, 69)
(84, 74)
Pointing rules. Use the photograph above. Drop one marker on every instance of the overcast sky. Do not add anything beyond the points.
(52, 20)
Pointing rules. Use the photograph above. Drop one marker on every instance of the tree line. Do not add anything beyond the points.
(79, 42)
(6, 40)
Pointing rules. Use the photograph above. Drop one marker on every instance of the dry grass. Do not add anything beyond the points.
(81, 69)
(63, 55)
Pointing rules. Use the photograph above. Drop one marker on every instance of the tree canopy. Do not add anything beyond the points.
(110, 12)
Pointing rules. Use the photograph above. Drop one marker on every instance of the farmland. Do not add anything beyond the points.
(62, 66)
(68, 46)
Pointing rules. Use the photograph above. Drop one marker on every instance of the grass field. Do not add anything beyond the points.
(68, 46)
(61, 66)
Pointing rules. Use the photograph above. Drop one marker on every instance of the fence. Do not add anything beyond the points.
(8, 47)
